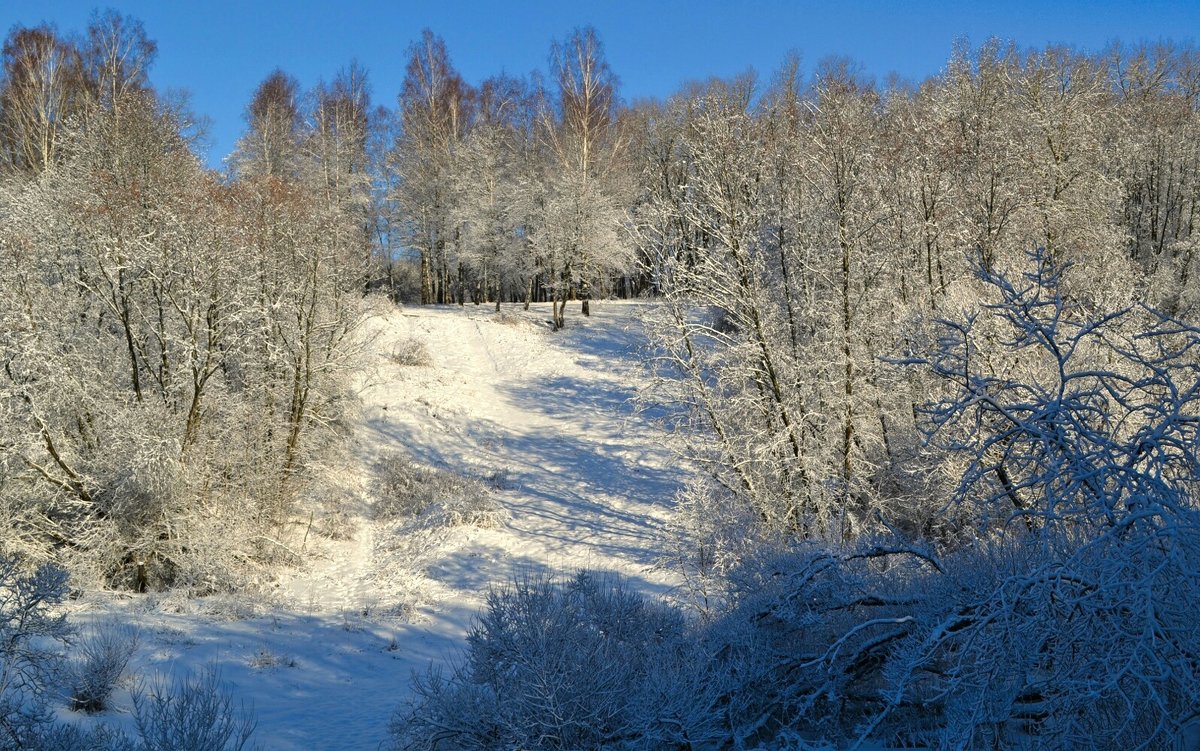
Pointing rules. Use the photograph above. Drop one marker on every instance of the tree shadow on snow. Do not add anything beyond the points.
(587, 479)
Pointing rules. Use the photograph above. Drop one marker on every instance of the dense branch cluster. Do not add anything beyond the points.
(803, 237)
(172, 344)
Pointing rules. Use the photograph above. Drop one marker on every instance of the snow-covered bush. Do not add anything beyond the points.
(1001, 645)
(434, 497)
(411, 352)
(61, 736)
(101, 653)
(512, 318)
(31, 637)
(197, 713)
(586, 663)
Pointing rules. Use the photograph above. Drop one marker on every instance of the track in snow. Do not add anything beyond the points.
(587, 483)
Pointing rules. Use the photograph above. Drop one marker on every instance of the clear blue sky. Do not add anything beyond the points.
(221, 50)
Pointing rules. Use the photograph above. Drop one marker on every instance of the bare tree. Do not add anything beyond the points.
(44, 87)
(117, 55)
(491, 197)
(271, 144)
(337, 142)
(435, 109)
(581, 233)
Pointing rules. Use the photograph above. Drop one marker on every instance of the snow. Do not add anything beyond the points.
(547, 417)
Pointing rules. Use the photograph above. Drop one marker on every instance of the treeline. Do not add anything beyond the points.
(517, 189)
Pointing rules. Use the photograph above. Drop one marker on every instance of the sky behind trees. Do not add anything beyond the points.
(221, 50)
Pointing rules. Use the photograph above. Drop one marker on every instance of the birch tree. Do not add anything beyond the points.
(435, 107)
(492, 198)
(44, 87)
(273, 127)
(581, 232)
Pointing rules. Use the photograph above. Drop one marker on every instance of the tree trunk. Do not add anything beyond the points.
(848, 384)
(426, 279)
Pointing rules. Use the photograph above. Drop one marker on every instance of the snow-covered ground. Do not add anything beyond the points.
(545, 418)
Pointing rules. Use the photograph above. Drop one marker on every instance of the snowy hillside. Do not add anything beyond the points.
(891, 442)
(545, 420)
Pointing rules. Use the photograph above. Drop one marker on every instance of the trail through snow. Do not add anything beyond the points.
(546, 418)
(585, 480)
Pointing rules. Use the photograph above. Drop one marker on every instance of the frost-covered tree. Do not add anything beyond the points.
(337, 145)
(173, 345)
(1157, 88)
(492, 196)
(777, 305)
(117, 55)
(579, 237)
(273, 119)
(44, 89)
(435, 109)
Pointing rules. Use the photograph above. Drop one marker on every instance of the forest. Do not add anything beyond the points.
(930, 351)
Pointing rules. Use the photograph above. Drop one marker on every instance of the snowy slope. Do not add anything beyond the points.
(546, 417)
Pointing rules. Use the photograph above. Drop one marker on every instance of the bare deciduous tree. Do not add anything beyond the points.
(581, 233)
(44, 87)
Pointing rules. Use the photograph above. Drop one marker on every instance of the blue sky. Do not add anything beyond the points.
(221, 50)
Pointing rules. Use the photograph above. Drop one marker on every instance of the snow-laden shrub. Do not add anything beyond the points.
(101, 653)
(196, 713)
(585, 663)
(61, 736)
(411, 352)
(433, 497)
(1001, 645)
(512, 318)
(31, 636)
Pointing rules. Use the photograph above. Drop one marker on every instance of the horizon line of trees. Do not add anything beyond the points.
(524, 188)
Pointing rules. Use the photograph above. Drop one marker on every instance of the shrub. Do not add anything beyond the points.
(197, 713)
(435, 497)
(30, 637)
(511, 318)
(560, 665)
(411, 352)
(101, 654)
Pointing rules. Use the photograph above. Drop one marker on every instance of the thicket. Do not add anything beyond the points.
(172, 345)
(194, 713)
